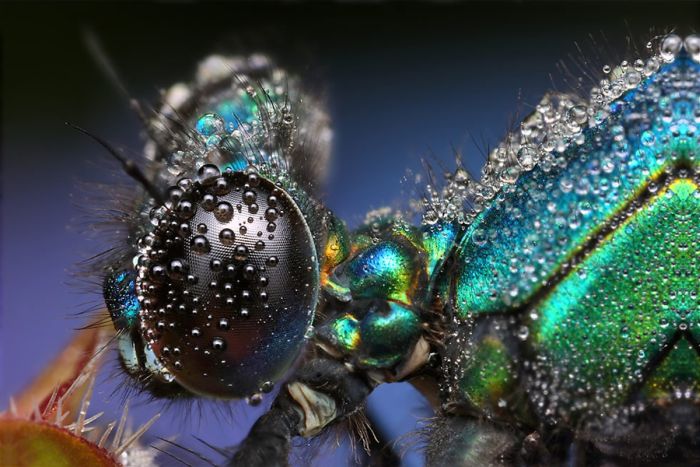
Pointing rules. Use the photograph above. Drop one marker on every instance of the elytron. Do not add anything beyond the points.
(549, 309)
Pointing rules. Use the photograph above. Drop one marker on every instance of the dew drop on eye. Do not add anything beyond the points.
(228, 300)
(227, 237)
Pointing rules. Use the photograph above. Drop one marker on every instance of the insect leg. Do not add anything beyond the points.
(374, 330)
(323, 390)
(462, 441)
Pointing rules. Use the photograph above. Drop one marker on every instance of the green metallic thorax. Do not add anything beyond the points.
(572, 295)
(620, 307)
(593, 265)
(384, 277)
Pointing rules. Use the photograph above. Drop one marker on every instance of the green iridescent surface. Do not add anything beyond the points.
(530, 231)
(589, 262)
(614, 313)
(678, 375)
(385, 270)
(121, 299)
(488, 376)
(236, 117)
(346, 332)
(592, 256)
(386, 336)
(437, 242)
(387, 276)
(237, 110)
(378, 339)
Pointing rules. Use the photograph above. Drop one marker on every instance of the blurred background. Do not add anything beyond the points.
(402, 81)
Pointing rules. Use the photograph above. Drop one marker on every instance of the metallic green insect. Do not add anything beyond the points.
(550, 310)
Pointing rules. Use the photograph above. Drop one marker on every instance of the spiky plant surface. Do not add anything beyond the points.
(48, 423)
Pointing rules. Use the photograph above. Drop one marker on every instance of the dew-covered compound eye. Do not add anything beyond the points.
(228, 281)
(215, 292)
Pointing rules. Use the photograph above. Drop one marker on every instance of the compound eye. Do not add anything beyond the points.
(229, 282)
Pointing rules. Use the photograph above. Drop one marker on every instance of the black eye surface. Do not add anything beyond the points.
(228, 286)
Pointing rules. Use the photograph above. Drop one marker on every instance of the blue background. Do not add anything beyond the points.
(401, 81)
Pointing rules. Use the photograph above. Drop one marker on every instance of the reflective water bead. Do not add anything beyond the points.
(209, 124)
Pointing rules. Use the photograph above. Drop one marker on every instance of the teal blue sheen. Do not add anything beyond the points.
(438, 240)
(235, 112)
(528, 232)
(209, 124)
(384, 270)
(120, 298)
(386, 336)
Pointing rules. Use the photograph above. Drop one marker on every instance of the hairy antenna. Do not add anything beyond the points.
(129, 166)
(101, 59)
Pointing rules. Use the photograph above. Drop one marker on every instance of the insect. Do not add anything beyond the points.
(548, 309)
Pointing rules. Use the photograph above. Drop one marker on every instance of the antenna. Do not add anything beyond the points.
(129, 166)
(99, 56)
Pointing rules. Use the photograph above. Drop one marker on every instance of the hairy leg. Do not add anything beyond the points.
(323, 390)
(461, 441)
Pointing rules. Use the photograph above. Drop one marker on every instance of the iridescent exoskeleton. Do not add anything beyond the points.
(549, 309)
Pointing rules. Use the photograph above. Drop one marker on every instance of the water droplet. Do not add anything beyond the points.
(209, 124)
(479, 237)
(625, 332)
(577, 114)
(208, 174)
(523, 333)
(527, 157)
(218, 344)
(249, 272)
(249, 197)
(227, 237)
(241, 253)
(271, 214)
(670, 47)
(177, 269)
(223, 212)
(255, 399)
(175, 194)
(200, 244)
(692, 45)
(185, 209)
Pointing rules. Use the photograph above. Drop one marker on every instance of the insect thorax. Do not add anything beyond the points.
(576, 289)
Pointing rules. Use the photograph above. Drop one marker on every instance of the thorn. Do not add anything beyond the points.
(91, 419)
(120, 428)
(105, 435)
(131, 439)
(58, 416)
(80, 423)
(51, 402)
(35, 414)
